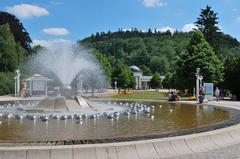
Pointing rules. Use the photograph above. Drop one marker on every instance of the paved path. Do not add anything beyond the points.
(230, 152)
(11, 98)
(222, 143)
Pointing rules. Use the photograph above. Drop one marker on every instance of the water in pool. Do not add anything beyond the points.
(163, 118)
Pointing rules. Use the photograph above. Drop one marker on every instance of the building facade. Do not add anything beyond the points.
(142, 82)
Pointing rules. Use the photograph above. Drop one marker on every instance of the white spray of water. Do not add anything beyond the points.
(67, 61)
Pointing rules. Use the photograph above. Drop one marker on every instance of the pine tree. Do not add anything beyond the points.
(207, 24)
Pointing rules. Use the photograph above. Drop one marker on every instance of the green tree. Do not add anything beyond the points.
(11, 57)
(104, 62)
(8, 56)
(198, 54)
(146, 71)
(156, 81)
(6, 83)
(123, 76)
(19, 32)
(232, 74)
(159, 64)
(93, 80)
(207, 24)
(152, 51)
(36, 49)
(169, 80)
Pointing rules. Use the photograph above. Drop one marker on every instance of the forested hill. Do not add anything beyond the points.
(152, 51)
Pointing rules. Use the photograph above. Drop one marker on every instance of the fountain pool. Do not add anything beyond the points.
(139, 120)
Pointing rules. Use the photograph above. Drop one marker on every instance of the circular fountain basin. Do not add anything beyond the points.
(162, 120)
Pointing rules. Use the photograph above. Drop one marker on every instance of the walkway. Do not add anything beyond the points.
(11, 98)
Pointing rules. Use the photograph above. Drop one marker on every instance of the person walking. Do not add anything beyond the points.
(201, 95)
(217, 93)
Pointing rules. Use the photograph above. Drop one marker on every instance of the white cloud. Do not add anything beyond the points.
(47, 43)
(27, 11)
(238, 19)
(132, 29)
(188, 27)
(154, 3)
(126, 29)
(164, 29)
(56, 31)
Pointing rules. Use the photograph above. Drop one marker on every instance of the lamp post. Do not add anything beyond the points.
(18, 83)
(198, 82)
(115, 83)
(15, 84)
(200, 79)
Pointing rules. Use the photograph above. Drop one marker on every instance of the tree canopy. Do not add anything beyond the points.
(207, 23)
(11, 53)
(232, 74)
(11, 56)
(198, 54)
(156, 81)
(19, 32)
(123, 76)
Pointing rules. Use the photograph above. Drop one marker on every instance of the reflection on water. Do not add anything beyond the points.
(165, 118)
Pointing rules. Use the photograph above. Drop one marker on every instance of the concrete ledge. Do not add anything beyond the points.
(155, 148)
(147, 151)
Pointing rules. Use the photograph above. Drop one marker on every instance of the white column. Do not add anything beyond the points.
(136, 78)
(197, 89)
(18, 82)
(140, 83)
(15, 82)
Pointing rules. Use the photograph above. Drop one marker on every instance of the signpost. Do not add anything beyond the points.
(208, 87)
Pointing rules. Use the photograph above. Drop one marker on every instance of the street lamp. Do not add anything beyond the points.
(115, 83)
(198, 81)
(15, 88)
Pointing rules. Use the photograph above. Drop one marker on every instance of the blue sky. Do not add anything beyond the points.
(49, 20)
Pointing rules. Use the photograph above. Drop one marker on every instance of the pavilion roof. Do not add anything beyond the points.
(38, 77)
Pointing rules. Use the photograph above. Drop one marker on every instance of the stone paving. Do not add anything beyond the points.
(230, 152)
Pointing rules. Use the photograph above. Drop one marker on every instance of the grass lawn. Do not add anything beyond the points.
(144, 95)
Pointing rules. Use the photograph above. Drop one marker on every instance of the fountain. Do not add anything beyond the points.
(72, 117)
(67, 62)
